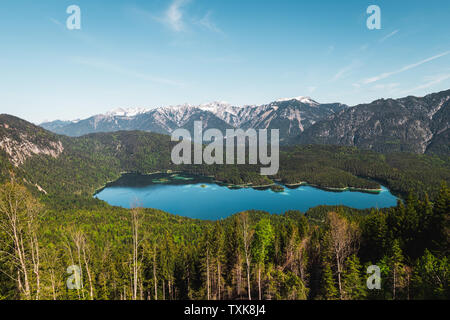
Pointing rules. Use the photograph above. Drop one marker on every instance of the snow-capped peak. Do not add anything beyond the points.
(215, 104)
(176, 107)
(305, 100)
(215, 107)
(130, 112)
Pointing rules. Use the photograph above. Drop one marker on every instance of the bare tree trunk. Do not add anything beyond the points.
(135, 230)
(207, 274)
(189, 283)
(247, 235)
(78, 239)
(34, 246)
(19, 222)
(53, 282)
(36, 271)
(248, 281)
(21, 256)
(239, 278)
(393, 287)
(13, 230)
(69, 248)
(259, 282)
(300, 264)
(218, 277)
(164, 290)
(343, 237)
(169, 287)
(339, 275)
(155, 281)
(86, 264)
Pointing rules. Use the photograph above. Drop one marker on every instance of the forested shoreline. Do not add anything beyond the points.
(87, 163)
(148, 254)
(49, 221)
(99, 158)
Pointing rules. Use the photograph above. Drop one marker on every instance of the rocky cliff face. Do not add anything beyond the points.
(291, 117)
(409, 124)
(21, 140)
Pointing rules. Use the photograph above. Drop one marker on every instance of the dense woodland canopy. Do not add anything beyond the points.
(148, 254)
(89, 162)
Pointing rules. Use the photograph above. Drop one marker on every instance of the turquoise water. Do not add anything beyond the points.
(201, 198)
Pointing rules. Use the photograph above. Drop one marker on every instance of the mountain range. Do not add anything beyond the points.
(412, 124)
(62, 165)
(292, 116)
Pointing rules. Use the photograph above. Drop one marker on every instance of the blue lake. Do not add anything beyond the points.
(201, 198)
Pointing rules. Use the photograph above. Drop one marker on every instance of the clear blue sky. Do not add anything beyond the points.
(150, 53)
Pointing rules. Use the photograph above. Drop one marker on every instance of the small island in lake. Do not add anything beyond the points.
(277, 188)
(161, 180)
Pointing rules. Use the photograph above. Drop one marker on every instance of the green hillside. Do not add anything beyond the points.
(150, 254)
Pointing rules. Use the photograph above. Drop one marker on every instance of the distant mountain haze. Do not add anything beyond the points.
(292, 116)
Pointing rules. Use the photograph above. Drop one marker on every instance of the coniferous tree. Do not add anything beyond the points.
(375, 233)
(218, 254)
(431, 277)
(411, 226)
(440, 221)
(397, 271)
(262, 239)
(247, 236)
(329, 290)
(425, 235)
(353, 282)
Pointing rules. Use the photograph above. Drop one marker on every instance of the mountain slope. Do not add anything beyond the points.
(291, 116)
(65, 166)
(409, 124)
(21, 140)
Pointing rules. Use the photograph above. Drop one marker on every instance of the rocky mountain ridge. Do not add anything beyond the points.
(290, 115)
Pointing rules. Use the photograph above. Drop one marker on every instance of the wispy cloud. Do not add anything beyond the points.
(174, 15)
(429, 82)
(207, 23)
(56, 22)
(115, 68)
(406, 68)
(364, 47)
(345, 71)
(393, 33)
